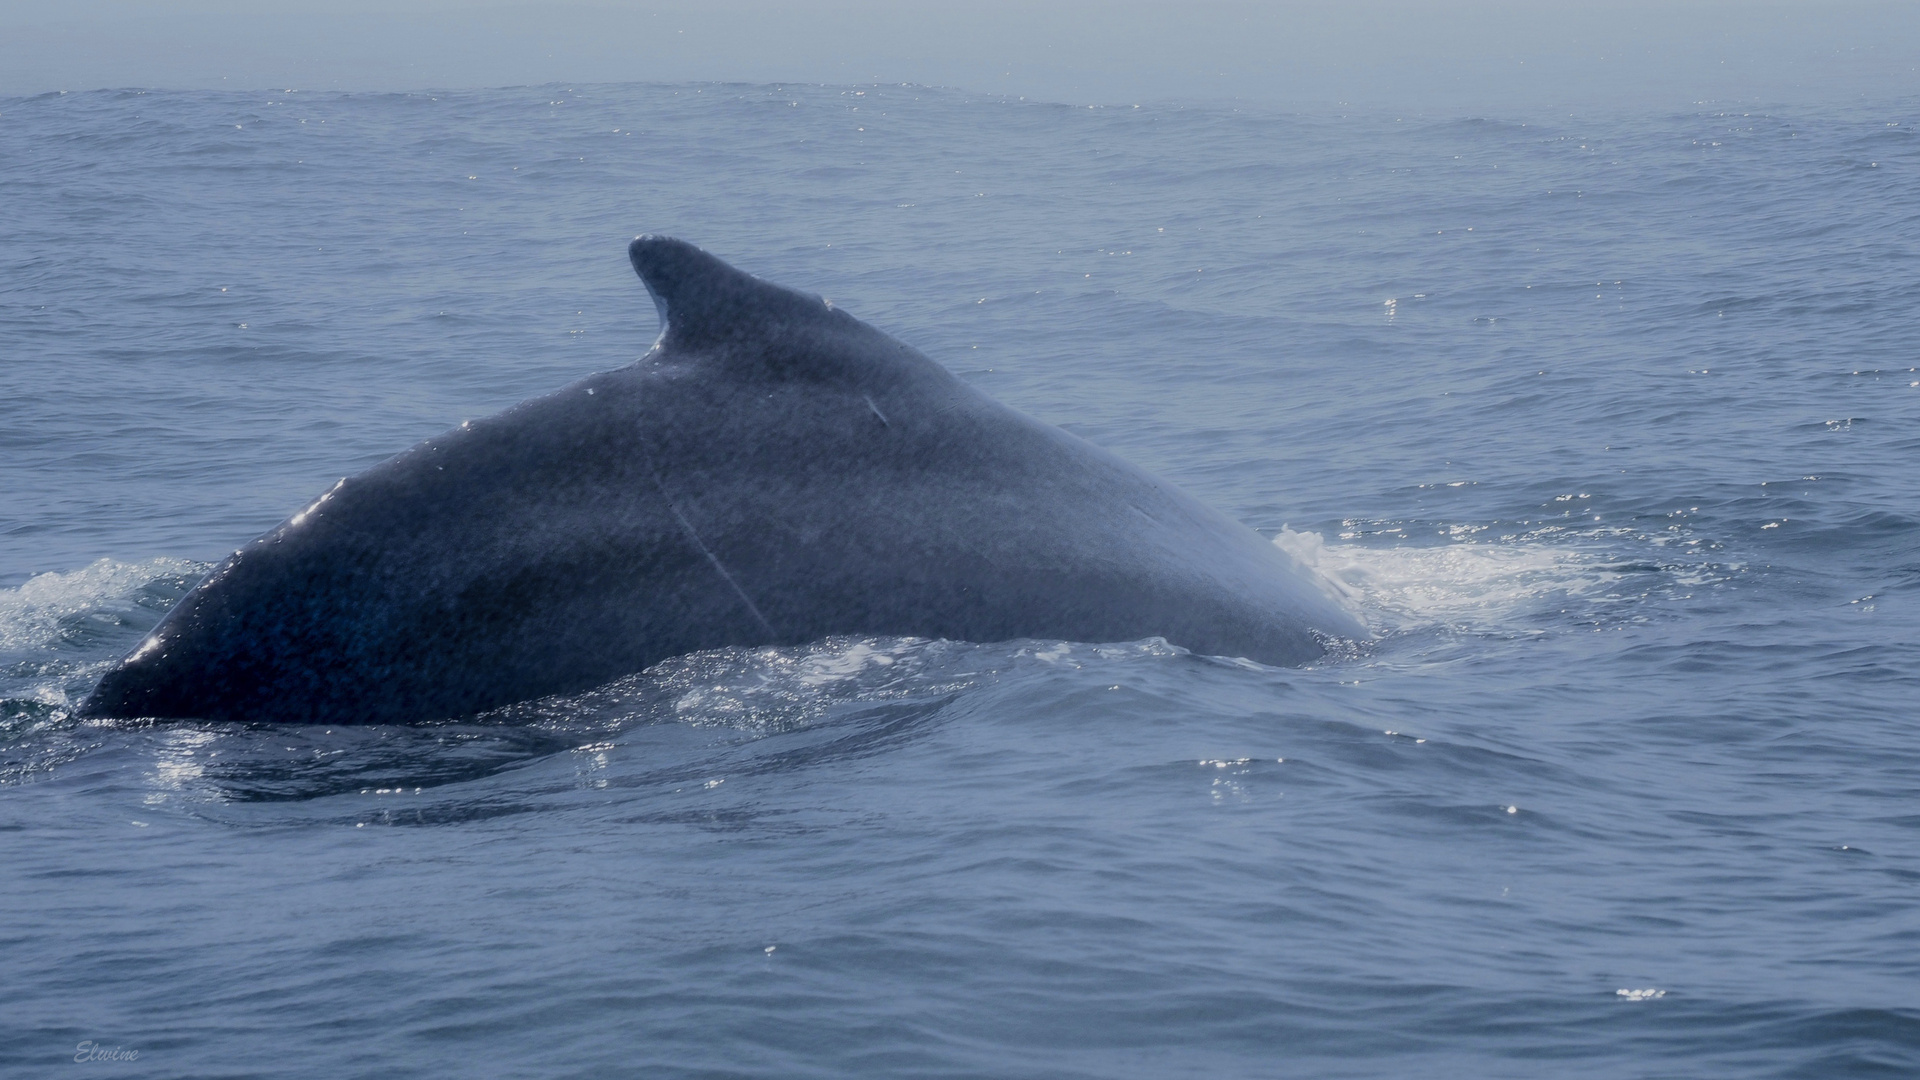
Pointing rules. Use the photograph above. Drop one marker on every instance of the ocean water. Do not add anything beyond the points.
(1608, 424)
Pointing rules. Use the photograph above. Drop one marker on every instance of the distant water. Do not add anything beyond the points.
(1609, 423)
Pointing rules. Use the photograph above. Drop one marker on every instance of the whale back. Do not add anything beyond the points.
(773, 471)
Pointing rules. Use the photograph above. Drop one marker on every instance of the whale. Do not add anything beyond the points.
(773, 471)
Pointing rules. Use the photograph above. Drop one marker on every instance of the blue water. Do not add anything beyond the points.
(1608, 424)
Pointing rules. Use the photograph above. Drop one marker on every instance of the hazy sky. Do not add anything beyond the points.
(1404, 53)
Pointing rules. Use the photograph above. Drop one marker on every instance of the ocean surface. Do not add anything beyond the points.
(1607, 423)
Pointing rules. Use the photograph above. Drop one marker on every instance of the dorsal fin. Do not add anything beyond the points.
(702, 299)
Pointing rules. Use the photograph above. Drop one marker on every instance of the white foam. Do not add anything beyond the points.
(31, 615)
(829, 668)
(1485, 583)
(786, 686)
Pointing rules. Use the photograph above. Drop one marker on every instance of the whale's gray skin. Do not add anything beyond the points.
(774, 471)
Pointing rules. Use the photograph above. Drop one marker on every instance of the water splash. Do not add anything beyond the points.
(59, 630)
(42, 612)
(1506, 584)
(780, 688)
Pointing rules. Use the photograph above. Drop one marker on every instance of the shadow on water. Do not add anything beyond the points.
(262, 764)
(265, 765)
(650, 770)
(847, 733)
(737, 712)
